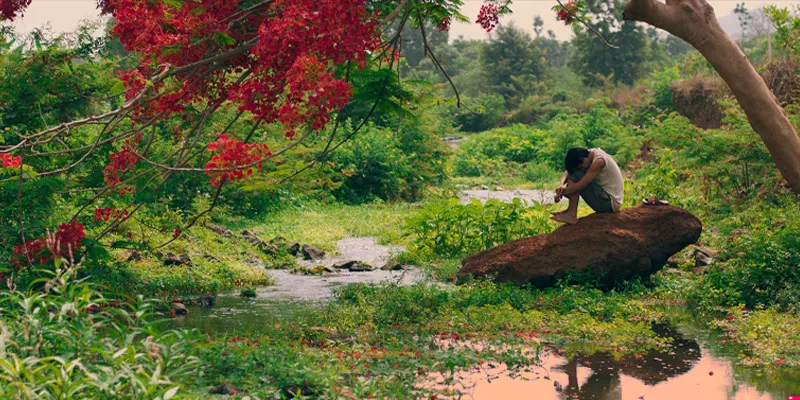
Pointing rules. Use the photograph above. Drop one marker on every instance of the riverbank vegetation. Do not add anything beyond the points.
(89, 268)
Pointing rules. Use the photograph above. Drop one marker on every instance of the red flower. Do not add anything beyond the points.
(10, 9)
(44, 250)
(444, 25)
(240, 158)
(9, 161)
(488, 17)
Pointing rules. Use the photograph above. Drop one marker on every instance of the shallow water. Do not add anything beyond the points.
(294, 292)
(290, 295)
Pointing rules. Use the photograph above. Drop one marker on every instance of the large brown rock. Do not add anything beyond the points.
(610, 247)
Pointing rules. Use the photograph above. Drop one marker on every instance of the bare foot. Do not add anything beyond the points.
(565, 218)
(558, 212)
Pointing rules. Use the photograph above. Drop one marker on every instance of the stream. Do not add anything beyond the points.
(690, 369)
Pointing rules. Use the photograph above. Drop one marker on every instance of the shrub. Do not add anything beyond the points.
(661, 82)
(766, 269)
(72, 343)
(485, 112)
(541, 173)
(385, 164)
(449, 229)
(487, 152)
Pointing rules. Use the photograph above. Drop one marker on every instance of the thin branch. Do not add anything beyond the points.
(392, 15)
(429, 52)
(588, 26)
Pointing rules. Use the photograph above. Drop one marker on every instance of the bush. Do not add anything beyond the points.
(485, 112)
(488, 152)
(72, 343)
(449, 229)
(385, 164)
(766, 269)
(661, 83)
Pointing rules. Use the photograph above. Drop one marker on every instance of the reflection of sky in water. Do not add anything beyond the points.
(684, 372)
(597, 384)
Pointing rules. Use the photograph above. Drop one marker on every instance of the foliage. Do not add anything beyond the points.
(485, 112)
(661, 83)
(72, 343)
(592, 58)
(513, 61)
(387, 164)
(787, 35)
(763, 271)
(449, 229)
(542, 174)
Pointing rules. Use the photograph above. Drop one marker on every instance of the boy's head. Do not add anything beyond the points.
(575, 159)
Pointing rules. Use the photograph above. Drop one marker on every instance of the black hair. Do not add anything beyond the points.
(574, 158)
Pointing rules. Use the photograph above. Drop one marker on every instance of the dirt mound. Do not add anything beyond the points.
(609, 247)
(696, 99)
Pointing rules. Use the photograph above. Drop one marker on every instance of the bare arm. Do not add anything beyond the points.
(592, 173)
(564, 178)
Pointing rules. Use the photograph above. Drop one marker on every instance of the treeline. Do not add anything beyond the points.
(514, 77)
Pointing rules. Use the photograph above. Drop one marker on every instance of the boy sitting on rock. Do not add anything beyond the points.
(593, 175)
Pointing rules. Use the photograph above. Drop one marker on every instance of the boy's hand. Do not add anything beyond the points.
(559, 193)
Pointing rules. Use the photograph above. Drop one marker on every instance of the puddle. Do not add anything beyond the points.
(685, 371)
(507, 196)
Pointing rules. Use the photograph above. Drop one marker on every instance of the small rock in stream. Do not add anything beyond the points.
(206, 300)
(293, 248)
(312, 253)
(359, 266)
(392, 266)
(344, 264)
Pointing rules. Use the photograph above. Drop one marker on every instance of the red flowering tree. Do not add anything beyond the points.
(286, 63)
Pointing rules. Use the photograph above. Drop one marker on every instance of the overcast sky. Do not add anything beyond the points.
(64, 15)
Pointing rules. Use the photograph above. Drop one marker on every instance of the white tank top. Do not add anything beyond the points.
(610, 178)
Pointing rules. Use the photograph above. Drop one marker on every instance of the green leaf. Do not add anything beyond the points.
(118, 88)
(224, 39)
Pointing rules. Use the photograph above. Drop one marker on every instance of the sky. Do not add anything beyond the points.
(64, 15)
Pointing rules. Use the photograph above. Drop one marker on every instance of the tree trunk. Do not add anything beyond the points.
(695, 22)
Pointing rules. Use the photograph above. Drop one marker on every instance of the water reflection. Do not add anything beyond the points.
(683, 371)
(651, 368)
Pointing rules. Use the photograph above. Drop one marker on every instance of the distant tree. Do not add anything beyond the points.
(513, 62)
(412, 46)
(538, 25)
(593, 60)
(744, 18)
(676, 46)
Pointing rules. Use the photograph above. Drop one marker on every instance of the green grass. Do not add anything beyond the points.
(324, 225)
